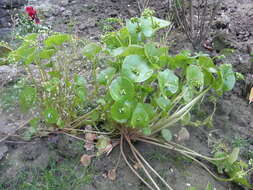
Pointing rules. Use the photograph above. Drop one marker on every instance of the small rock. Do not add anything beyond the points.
(132, 12)
(3, 151)
(7, 74)
(67, 13)
(64, 2)
(10, 4)
(90, 22)
(183, 135)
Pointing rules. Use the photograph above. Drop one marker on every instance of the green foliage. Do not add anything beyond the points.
(236, 169)
(54, 90)
(141, 77)
(5, 49)
(24, 25)
(65, 175)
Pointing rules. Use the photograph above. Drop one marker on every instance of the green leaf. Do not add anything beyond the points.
(131, 26)
(166, 134)
(146, 131)
(168, 82)
(133, 49)
(4, 50)
(23, 53)
(182, 60)
(234, 155)
(163, 103)
(195, 76)
(121, 111)
(136, 68)
(103, 142)
(192, 188)
(150, 110)
(151, 50)
(121, 88)
(228, 77)
(30, 58)
(105, 76)
(146, 27)
(27, 98)
(207, 63)
(47, 54)
(160, 23)
(91, 50)
(31, 37)
(111, 40)
(51, 115)
(209, 187)
(123, 35)
(140, 117)
(118, 51)
(57, 40)
(218, 81)
(80, 81)
(188, 93)
(81, 93)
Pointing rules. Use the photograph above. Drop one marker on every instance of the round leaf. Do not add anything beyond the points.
(166, 134)
(105, 76)
(228, 77)
(140, 117)
(27, 97)
(146, 27)
(91, 50)
(194, 76)
(121, 111)
(136, 68)
(163, 103)
(121, 88)
(168, 82)
(51, 115)
(81, 93)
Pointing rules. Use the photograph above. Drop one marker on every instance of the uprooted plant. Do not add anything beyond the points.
(148, 91)
(140, 92)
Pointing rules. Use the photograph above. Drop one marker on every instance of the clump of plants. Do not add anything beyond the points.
(51, 89)
(138, 91)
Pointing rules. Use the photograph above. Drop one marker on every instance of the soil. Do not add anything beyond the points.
(233, 27)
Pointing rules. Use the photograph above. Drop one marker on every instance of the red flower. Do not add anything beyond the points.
(32, 13)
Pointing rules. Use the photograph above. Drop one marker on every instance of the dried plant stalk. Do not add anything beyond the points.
(195, 17)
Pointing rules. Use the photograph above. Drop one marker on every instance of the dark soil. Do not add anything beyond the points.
(233, 121)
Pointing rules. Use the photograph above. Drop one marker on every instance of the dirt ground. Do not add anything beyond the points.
(233, 122)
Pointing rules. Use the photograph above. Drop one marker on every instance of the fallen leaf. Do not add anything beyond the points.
(90, 137)
(89, 146)
(104, 145)
(183, 135)
(86, 160)
(137, 166)
(251, 95)
(166, 134)
(112, 174)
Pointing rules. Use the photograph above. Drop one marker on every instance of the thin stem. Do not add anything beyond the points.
(185, 149)
(141, 164)
(83, 117)
(187, 154)
(151, 168)
(131, 167)
(87, 131)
